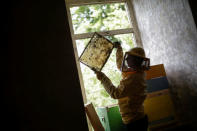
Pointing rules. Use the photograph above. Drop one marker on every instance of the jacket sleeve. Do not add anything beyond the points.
(119, 57)
(114, 92)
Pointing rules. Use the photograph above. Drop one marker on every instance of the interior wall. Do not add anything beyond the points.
(169, 36)
(42, 92)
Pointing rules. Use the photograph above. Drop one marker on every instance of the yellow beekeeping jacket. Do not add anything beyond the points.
(130, 92)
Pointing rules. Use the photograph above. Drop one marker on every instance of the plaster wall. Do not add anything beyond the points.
(169, 36)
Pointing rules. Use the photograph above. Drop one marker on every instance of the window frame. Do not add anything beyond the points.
(134, 30)
(132, 19)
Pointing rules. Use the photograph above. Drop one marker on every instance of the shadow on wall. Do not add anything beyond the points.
(184, 98)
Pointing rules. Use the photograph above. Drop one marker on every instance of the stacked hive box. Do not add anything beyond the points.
(158, 104)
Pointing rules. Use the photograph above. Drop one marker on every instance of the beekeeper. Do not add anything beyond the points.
(131, 90)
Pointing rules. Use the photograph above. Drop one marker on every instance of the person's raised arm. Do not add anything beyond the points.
(119, 54)
(114, 92)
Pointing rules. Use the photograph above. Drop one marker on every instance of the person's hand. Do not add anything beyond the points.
(99, 74)
(117, 44)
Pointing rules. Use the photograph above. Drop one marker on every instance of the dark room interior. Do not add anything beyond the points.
(41, 88)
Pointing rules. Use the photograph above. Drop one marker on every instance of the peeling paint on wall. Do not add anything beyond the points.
(169, 36)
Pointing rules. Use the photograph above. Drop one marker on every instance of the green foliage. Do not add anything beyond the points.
(101, 17)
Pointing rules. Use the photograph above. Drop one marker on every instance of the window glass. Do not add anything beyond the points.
(99, 17)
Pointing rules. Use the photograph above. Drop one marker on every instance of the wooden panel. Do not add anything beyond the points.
(88, 2)
(104, 33)
(93, 117)
(155, 71)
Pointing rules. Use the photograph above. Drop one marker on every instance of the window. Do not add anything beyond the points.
(116, 21)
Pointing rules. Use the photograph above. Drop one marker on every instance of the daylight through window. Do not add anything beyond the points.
(114, 22)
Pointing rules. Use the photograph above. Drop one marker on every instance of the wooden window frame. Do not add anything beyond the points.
(132, 20)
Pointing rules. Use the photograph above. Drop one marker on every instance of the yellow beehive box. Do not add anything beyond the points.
(159, 108)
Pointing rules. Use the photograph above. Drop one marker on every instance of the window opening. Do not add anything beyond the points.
(111, 19)
(115, 20)
(101, 18)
